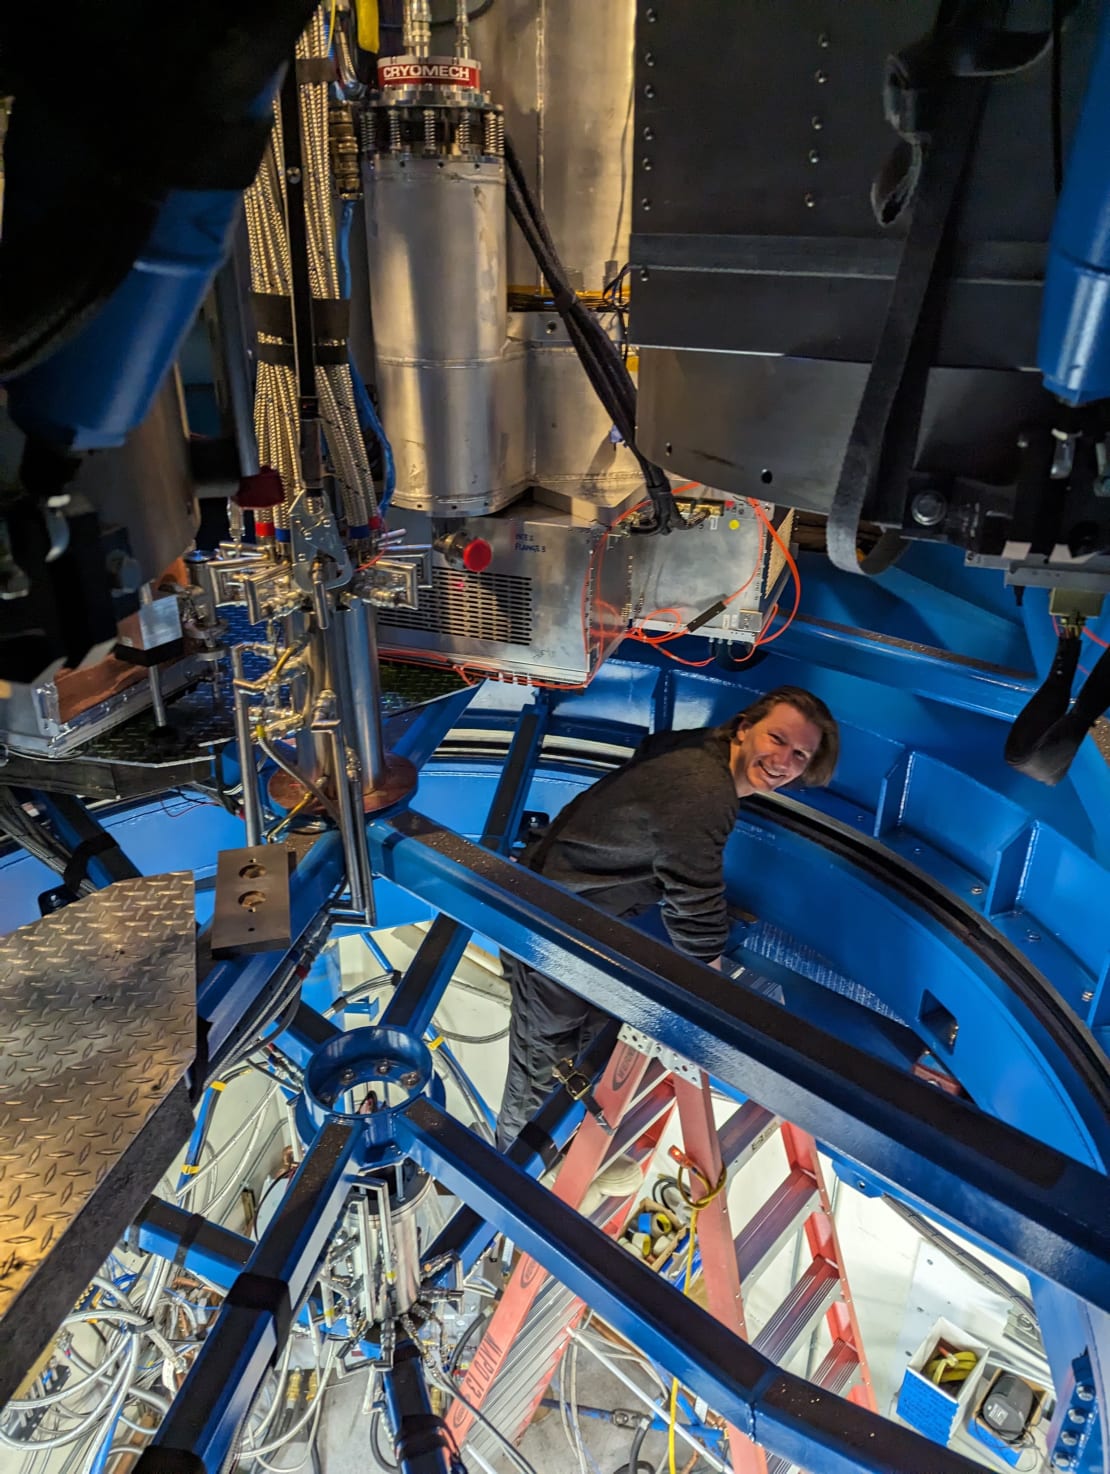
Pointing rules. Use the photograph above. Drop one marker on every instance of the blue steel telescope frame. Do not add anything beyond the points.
(1034, 1205)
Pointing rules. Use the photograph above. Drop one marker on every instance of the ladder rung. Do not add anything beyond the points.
(758, 1240)
(744, 1132)
(809, 1299)
(838, 1368)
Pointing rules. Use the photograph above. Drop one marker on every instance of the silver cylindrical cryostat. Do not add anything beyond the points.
(451, 386)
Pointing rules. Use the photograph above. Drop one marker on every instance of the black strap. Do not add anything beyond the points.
(195, 1224)
(273, 315)
(883, 441)
(1048, 731)
(77, 867)
(420, 1433)
(169, 1461)
(264, 1292)
(282, 353)
(538, 1141)
(313, 69)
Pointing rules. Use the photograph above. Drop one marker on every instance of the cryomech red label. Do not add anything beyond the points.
(430, 70)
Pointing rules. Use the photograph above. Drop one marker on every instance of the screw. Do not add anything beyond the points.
(1076, 1415)
(645, 204)
(649, 92)
(646, 165)
(809, 201)
(1069, 1439)
(645, 274)
(293, 176)
(1084, 1392)
(649, 58)
(382, 1067)
(977, 890)
(813, 156)
(928, 508)
(1033, 936)
(823, 42)
(820, 78)
(648, 134)
(346, 1076)
(816, 124)
(1088, 994)
(552, 327)
(651, 15)
(409, 1079)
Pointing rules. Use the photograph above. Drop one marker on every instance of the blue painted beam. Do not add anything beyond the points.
(789, 1416)
(1049, 1211)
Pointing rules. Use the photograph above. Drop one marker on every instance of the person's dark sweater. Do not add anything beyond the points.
(652, 831)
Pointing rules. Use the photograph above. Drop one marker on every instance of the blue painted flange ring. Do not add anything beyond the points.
(396, 1065)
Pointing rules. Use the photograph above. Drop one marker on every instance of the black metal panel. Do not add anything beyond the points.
(759, 128)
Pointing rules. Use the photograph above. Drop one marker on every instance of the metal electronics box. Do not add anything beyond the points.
(551, 601)
(760, 274)
(560, 590)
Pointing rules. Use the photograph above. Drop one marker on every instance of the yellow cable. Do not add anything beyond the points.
(695, 1205)
(366, 15)
(331, 23)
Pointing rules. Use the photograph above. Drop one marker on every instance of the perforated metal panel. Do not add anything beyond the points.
(472, 606)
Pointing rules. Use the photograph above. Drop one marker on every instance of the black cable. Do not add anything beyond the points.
(634, 1466)
(1056, 89)
(461, 1344)
(599, 355)
(376, 1421)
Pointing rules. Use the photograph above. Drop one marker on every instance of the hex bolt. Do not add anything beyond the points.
(928, 508)
(410, 1079)
(346, 1076)
(382, 1067)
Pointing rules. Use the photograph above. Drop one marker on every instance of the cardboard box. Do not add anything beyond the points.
(935, 1409)
(1009, 1453)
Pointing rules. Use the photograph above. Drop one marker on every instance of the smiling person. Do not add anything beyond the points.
(654, 832)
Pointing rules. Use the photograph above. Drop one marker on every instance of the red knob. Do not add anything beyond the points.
(477, 555)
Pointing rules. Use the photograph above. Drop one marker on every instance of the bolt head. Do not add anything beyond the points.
(928, 508)
(1084, 1392)
(383, 1067)
(410, 1079)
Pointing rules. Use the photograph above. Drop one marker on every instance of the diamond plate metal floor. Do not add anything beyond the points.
(97, 1029)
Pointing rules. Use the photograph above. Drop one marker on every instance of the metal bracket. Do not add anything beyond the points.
(313, 532)
(667, 1057)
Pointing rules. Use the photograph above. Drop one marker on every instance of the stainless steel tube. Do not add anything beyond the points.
(352, 824)
(365, 685)
(252, 803)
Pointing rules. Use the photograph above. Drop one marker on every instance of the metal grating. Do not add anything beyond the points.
(496, 607)
(775, 561)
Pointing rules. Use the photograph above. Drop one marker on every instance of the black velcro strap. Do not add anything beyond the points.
(273, 315)
(421, 1433)
(313, 69)
(282, 353)
(169, 1461)
(263, 1292)
(195, 1224)
(279, 353)
(78, 866)
(536, 1139)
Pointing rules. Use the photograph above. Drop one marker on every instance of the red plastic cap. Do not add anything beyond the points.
(477, 555)
(263, 489)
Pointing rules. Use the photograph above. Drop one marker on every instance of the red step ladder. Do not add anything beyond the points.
(636, 1092)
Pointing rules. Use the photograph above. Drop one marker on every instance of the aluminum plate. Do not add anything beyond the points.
(98, 1026)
